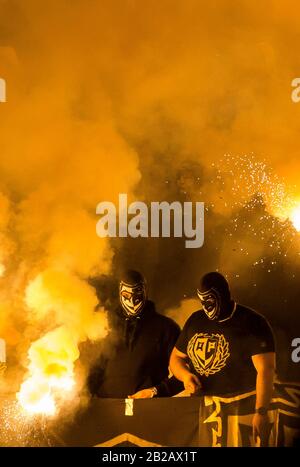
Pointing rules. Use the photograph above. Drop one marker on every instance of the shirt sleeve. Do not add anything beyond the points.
(261, 336)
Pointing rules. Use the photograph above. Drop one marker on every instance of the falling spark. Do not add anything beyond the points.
(261, 205)
(20, 428)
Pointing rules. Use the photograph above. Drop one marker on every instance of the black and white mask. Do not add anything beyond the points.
(132, 298)
(211, 303)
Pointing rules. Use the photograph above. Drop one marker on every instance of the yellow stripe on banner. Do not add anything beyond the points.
(208, 400)
(290, 414)
(129, 438)
(294, 394)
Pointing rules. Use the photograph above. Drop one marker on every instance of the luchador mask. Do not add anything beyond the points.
(132, 298)
(211, 303)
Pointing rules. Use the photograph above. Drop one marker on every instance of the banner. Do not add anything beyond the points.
(227, 421)
(165, 422)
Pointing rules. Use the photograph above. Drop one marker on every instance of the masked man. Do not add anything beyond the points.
(134, 358)
(226, 348)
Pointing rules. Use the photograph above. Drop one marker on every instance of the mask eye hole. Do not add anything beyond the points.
(125, 294)
(206, 298)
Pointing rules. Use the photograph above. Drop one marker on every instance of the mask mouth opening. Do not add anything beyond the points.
(132, 306)
(209, 307)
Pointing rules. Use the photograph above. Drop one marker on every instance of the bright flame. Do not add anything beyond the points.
(38, 393)
(51, 371)
(295, 218)
(36, 398)
(70, 303)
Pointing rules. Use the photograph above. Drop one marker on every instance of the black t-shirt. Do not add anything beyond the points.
(220, 352)
(134, 356)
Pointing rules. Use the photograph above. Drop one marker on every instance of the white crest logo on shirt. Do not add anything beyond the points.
(208, 352)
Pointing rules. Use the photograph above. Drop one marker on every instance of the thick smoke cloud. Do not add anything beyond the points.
(145, 98)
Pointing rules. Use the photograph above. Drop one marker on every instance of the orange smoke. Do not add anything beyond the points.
(98, 93)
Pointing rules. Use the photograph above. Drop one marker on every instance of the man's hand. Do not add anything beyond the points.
(143, 394)
(191, 383)
(181, 370)
(261, 429)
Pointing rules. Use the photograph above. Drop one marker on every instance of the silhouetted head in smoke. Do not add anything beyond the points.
(214, 294)
(106, 287)
(133, 293)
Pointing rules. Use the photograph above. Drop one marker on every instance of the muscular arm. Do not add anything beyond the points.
(265, 367)
(180, 369)
(178, 364)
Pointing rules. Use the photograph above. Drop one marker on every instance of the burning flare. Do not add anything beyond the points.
(51, 371)
(69, 302)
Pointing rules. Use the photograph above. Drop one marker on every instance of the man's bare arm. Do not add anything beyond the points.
(180, 369)
(265, 367)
